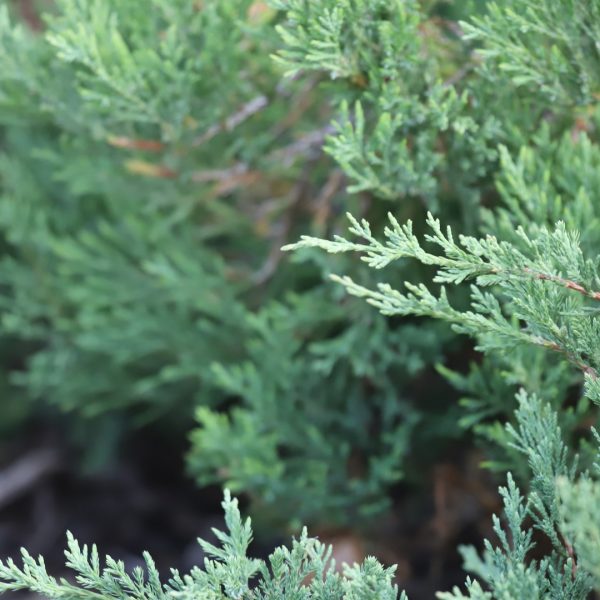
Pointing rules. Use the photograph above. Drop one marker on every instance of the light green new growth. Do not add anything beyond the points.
(562, 508)
(546, 283)
(306, 571)
(548, 46)
(566, 572)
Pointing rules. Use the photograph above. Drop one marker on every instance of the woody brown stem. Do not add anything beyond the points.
(569, 284)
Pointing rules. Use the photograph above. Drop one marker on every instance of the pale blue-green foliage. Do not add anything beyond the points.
(376, 161)
(408, 133)
(506, 570)
(395, 155)
(547, 181)
(129, 274)
(488, 399)
(503, 568)
(538, 437)
(152, 63)
(535, 290)
(305, 571)
(548, 46)
(535, 299)
(580, 520)
(546, 282)
(330, 36)
(535, 275)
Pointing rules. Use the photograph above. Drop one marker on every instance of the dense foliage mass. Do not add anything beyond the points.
(155, 161)
(157, 155)
(304, 571)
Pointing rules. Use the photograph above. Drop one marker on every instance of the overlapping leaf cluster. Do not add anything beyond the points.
(534, 278)
(305, 571)
(154, 161)
(153, 164)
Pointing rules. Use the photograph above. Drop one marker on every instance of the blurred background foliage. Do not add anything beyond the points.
(154, 162)
(155, 155)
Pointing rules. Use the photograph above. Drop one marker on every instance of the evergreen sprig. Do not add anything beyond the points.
(548, 284)
(547, 46)
(305, 571)
(506, 570)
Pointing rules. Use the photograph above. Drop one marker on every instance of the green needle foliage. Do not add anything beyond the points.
(305, 571)
(533, 281)
(567, 571)
(402, 123)
(547, 46)
(561, 507)
(538, 289)
(536, 279)
(153, 162)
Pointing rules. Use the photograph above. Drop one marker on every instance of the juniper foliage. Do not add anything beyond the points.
(402, 129)
(136, 237)
(544, 281)
(153, 163)
(562, 508)
(306, 570)
(547, 47)
(532, 271)
(534, 290)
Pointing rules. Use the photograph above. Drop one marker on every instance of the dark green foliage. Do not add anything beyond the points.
(151, 170)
